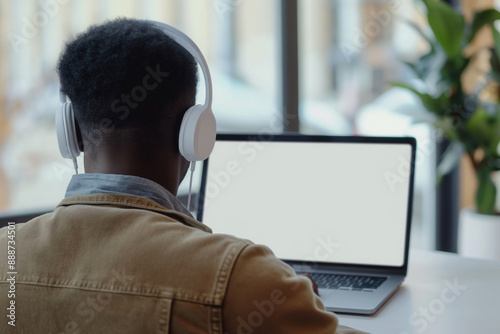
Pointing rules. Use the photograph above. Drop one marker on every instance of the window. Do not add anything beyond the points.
(241, 52)
(349, 53)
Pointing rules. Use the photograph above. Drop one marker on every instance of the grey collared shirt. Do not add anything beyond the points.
(87, 184)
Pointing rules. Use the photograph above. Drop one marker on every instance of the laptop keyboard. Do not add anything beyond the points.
(347, 282)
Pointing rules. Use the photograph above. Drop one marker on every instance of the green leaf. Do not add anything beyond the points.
(482, 127)
(451, 133)
(452, 70)
(486, 192)
(496, 38)
(414, 68)
(450, 159)
(483, 18)
(448, 26)
(430, 62)
(436, 105)
(494, 147)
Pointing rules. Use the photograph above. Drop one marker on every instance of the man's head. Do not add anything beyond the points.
(127, 81)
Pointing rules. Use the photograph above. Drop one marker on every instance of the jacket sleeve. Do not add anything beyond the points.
(264, 295)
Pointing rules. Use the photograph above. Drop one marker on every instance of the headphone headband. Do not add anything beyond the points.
(187, 43)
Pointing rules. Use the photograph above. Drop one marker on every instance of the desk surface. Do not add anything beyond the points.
(443, 294)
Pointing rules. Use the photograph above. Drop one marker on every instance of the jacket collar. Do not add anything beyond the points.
(96, 183)
(132, 202)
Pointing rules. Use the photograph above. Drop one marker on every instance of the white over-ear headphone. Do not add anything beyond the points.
(198, 127)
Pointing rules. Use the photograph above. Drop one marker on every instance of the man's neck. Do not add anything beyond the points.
(166, 170)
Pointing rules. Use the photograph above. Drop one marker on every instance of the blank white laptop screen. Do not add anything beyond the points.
(327, 202)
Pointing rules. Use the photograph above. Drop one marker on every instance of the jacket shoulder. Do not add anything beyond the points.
(84, 246)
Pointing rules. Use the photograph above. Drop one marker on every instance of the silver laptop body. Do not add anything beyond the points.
(337, 208)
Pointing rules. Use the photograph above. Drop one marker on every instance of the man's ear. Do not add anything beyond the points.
(79, 136)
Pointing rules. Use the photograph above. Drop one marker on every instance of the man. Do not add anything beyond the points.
(120, 254)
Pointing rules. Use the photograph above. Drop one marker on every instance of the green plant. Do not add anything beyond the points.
(471, 125)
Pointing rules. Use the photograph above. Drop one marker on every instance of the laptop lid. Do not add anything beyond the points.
(315, 200)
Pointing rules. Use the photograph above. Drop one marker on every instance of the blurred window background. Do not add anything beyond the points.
(241, 52)
(349, 53)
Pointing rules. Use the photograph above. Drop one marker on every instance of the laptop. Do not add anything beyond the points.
(336, 208)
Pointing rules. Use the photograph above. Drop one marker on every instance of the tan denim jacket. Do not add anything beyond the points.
(108, 263)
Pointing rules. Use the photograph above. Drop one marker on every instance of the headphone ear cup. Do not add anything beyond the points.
(197, 133)
(66, 132)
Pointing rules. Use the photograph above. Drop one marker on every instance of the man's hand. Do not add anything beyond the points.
(340, 329)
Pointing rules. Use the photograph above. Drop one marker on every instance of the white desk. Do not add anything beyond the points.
(426, 304)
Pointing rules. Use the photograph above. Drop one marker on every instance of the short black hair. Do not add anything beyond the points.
(126, 74)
